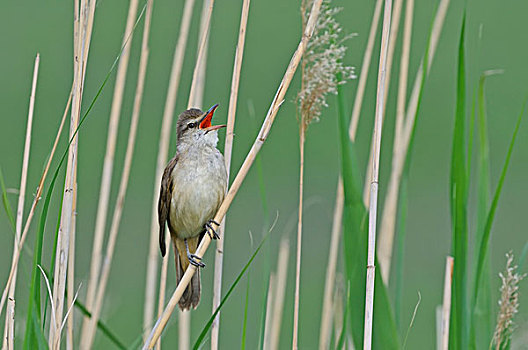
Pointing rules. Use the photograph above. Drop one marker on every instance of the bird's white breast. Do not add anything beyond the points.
(200, 182)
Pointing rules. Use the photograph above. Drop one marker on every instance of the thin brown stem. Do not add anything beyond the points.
(228, 150)
(237, 182)
(373, 202)
(299, 239)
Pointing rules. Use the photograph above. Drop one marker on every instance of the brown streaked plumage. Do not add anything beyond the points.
(192, 188)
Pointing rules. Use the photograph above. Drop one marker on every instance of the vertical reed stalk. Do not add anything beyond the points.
(402, 136)
(71, 295)
(367, 56)
(85, 24)
(228, 150)
(326, 315)
(16, 255)
(269, 307)
(89, 333)
(237, 182)
(108, 165)
(395, 24)
(165, 132)
(280, 289)
(9, 341)
(446, 305)
(195, 100)
(302, 131)
(373, 202)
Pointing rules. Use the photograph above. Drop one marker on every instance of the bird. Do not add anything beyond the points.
(193, 187)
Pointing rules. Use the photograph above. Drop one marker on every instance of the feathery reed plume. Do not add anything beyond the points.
(9, 335)
(244, 169)
(108, 165)
(83, 20)
(321, 66)
(508, 304)
(163, 151)
(228, 150)
(374, 181)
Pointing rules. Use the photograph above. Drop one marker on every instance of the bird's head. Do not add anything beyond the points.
(194, 127)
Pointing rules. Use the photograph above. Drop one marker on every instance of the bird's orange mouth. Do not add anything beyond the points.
(205, 124)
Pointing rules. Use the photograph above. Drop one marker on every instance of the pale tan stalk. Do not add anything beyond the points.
(373, 202)
(446, 305)
(199, 70)
(269, 310)
(108, 165)
(326, 315)
(9, 342)
(402, 136)
(89, 331)
(295, 341)
(395, 24)
(195, 100)
(71, 295)
(165, 132)
(228, 150)
(250, 158)
(87, 11)
(37, 198)
(356, 112)
(163, 284)
(389, 209)
(280, 290)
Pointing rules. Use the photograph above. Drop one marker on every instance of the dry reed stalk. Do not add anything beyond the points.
(195, 100)
(402, 136)
(373, 202)
(446, 305)
(367, 56)
(280, 290)
(16, 254)
(228, 150)
(89, 331)
(108, 165)
(250, 158)
(269, 310)
(299, 239)
(85, 24)
(199, 68)
(326, 315)
(163, 284)
(8, 342)
(165, 132)
(71, 295)
(395, 24)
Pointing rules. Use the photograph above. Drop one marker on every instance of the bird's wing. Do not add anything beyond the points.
(164, 201)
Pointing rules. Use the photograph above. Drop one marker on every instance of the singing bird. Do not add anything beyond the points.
(192, 188)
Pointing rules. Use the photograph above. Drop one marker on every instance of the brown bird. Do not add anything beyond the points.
(192, 188)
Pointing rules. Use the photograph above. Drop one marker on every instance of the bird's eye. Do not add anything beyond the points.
(191, 125)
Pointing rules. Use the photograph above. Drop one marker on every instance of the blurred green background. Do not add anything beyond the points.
(496, 38)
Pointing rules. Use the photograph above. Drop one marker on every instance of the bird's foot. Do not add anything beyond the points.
(195, 260)
(210, 229)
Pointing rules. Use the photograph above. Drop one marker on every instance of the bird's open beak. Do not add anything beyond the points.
(205, 123)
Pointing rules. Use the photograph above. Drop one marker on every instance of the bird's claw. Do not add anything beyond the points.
(210, 230)
(195, 260)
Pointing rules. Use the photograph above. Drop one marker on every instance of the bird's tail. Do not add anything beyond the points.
(191, 296)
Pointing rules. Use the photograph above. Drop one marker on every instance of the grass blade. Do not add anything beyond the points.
(459, 193)
(5, 201)
(207, 326)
